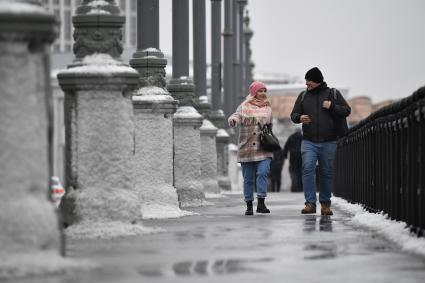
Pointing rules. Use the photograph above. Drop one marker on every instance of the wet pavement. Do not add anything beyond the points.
(222, 245)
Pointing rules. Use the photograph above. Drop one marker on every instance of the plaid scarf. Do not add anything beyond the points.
(254, 110)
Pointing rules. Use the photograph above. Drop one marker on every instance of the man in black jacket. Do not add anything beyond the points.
(319, 109)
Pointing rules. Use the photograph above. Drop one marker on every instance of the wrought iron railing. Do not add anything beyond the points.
(381, 162)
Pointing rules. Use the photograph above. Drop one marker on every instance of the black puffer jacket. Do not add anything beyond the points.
(321, 128)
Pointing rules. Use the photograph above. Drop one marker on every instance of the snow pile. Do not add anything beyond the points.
(203, 99)
(395, 231)
(156, 210)
(212, 195)
(107, 230)
(151, 49)
(222, 133)
(98, 3)
(39, 264)
(187, 112)
(207, 126)
(100, 63)
(21, 8)
(98, 11)
(152, 94)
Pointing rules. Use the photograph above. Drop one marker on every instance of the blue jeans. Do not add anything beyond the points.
(324, 153)
(257, 172)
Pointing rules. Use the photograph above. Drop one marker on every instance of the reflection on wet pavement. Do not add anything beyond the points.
(205, 267)
(326, 251)
(325, 223)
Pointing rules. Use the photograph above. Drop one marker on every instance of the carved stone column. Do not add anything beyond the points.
(99, 123)
(153, 110)
(187, 144)
(187, 121)
(216, 115)
(28, 223)
(208, 148)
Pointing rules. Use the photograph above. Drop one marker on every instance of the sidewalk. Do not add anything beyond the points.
(222, 245)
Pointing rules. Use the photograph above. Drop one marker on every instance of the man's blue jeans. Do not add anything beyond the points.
(257, 172)
(324, 153)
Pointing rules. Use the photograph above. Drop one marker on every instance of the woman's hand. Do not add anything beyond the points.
(232, 123)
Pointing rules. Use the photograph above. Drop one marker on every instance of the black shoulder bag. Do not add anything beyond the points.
(268, 141)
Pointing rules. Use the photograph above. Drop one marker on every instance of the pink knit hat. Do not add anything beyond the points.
(255, 86)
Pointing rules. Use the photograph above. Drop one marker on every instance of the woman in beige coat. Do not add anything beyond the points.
(255, 162)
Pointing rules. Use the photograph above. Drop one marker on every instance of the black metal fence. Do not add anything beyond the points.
(380, 163)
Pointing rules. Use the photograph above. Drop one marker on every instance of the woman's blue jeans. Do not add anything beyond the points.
(324, 153)
(255, 173)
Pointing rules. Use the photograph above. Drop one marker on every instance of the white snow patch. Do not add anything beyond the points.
(98, 11)
(152, 90)
(207, 125)
(395, 231)
(151, 49)
(187, 112)
(98, 3)
(233, 146)
(212, 195)
(153, 98)
(203, 99)
(159, 211)
(21, 8)
(107, 230)
(232, 192)
(222, 133)
(100, 63)
(31, 264)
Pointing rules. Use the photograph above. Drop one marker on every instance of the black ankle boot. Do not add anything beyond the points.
(249, 210)
(261, 207)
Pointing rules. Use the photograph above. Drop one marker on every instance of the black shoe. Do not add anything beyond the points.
(249, 209)
(261, 207)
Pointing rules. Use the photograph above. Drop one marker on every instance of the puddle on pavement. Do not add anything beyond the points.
(206, 267)
(324, 225)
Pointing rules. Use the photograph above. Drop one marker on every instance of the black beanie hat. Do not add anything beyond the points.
(314, 75)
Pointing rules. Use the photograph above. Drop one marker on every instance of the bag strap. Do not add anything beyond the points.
(303, 95)
(259, 125)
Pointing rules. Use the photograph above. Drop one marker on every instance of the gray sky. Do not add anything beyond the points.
(372, 47)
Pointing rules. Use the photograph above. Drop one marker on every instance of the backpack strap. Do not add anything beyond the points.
(303, 95)
(335, 94)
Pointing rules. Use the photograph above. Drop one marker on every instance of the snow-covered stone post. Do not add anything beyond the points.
(187, 121)
(187, 144)
(216, 115)
(28, 223)
(99, 124)
(153, 115)
(208, 148)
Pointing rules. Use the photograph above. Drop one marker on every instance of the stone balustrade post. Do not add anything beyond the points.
(29, 226)
(187, 120)
(99, 124)
(153, 110)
